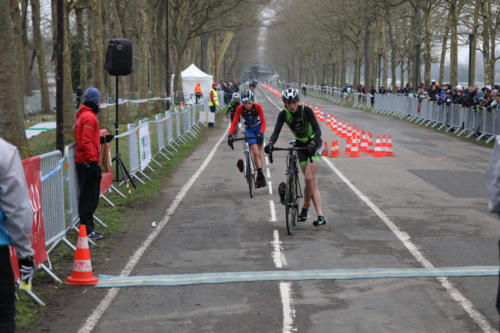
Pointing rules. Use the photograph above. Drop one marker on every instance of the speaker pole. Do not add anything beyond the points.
(117, 130)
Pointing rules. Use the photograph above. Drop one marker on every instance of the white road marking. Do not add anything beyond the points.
(270, 186)
(267, 160)
(466, 304)
(278, 263)
(273, 212)
(268, 173)
(134, 259)
(288, 310)
(404, 237)
(285, 287)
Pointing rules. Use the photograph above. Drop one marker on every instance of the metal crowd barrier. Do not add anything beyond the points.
(59, 177)
(468, 121)
(460, 120)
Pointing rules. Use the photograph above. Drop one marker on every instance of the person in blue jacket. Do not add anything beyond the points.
(16, 219)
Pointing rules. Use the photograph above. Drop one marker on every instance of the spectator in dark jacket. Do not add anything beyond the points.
(468, 97)
(88, 153)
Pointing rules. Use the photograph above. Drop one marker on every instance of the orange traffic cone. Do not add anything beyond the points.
(369, 150)
(384, 143)
(364, 142)
(389, 152)
(379, 151)
(339, 129)
(349, 132)
(347, 146)
(82, 266)
(325, 149)
(328, 120)
(335, 149)
(354, 149)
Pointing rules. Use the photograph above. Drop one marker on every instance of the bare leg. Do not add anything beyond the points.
(257, 155)
(311, 190)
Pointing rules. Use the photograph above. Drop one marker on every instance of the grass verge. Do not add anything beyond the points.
(28, 313)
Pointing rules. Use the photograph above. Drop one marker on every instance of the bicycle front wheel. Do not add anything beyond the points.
(250, 174)
(291, 205)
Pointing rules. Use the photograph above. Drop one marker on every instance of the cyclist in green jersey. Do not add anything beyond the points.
(305, 128)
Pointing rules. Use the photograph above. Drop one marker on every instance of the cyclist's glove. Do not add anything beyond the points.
(268, 149)
(26, 269)
(230, 140)
(311, 149)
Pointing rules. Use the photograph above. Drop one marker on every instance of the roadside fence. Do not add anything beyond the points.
(479, 122)
(55, 194)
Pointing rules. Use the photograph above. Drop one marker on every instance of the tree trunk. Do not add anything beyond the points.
(444, 48)
(95, 44)
(80, 38)
(26, 49)
(342, 62)
(475, 27)
(142, 52)
(11, 106)
(393, 55)
(486, 41)
(367, 55)
(374, 58)
(402, 72)
(427, 44)
(40, 56)
(493, 33)
(385, 73)
(453, 43)
(69, 105)
(155, 54)
(357, 61)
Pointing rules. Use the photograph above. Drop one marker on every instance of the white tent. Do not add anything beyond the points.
(193, 74)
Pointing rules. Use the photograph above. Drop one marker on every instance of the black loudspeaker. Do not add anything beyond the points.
(119, 57)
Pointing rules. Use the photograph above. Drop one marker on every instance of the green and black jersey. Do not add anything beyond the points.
(232, 107)
(303, 125)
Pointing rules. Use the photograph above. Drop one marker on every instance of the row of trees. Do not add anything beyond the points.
(335, 40)
(204, 32)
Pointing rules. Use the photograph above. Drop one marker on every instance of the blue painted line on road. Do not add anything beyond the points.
(334, 274)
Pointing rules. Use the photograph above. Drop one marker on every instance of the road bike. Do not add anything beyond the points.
(293, 193)
(249, 170)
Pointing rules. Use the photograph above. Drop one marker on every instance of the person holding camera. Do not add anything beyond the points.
(87, 157)
(16, 219)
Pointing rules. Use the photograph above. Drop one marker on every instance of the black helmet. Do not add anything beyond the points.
(246, 96)
(290, 95)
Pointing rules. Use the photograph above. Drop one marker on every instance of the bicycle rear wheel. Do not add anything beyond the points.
(291, 205)
(249, 174)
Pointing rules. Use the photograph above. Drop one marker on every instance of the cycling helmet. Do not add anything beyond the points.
(290, 95)
(236, 95)
(246, 96)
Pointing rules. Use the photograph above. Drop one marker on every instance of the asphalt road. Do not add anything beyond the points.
(431, 196)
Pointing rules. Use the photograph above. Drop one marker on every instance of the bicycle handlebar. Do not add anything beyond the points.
(290, 149)
(246, 138)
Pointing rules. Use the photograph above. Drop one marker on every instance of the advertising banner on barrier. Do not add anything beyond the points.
(107, 170)
(144, 145)
(32, 174)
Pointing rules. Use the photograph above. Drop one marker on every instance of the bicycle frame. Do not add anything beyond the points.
(294, 190)
(249, 165)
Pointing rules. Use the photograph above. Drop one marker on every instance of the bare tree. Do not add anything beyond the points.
(11, 106)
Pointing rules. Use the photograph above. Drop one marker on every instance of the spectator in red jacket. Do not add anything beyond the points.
(88, 153)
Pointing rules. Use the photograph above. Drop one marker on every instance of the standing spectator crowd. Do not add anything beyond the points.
(487, 97)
